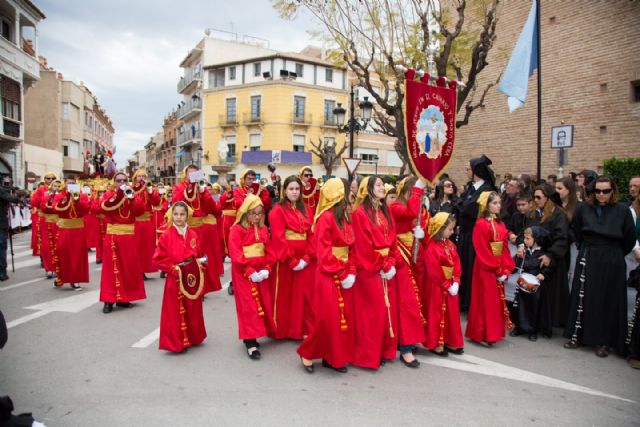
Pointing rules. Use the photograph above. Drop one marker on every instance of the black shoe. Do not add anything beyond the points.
(144, 277)
(3, 277)
(327, 365)
(571, 345)
(254, 353)
(413, 364)
(514, 333)
(98, 261)
(76, 287)
(163, 275)
(108, 307)
(443, 353)
(230, 288)
(533, 337)
(124, 304)
(602, 351)
(457, 351)
(308, 368)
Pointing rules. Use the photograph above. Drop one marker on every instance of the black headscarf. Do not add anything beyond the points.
(554, 196)
(481, 169)
(541, 236)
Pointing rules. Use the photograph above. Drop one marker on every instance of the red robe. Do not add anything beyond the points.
(292, 291)
(441, 309)
(411, 321)
(102, 226)
(92, 228)
(375, 249)
(311, 196)
(240, 192)
(48, 231)
(71, 248)
(331, 336)
(177, 310)
(121, 279)
(251, 253)
(486, 321)
(159, 222)
(145, 229)
(37, 221)
(229, 210)
(203, 222)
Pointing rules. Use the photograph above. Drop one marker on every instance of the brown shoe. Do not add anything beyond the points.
(602, 351)
(634, 363)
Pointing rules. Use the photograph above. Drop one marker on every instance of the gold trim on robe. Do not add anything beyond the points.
(292, 235)
(120, 229)
(341, 252)
(253, 251)
(496, 248)
(71, 223)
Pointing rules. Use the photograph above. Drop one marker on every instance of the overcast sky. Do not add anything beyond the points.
(127, 51)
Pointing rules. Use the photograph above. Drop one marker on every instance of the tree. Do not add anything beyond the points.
(327, 154)
(372, 37)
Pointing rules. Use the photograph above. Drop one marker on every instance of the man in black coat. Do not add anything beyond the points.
(6, 198)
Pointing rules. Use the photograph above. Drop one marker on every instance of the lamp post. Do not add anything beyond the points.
(354, 124)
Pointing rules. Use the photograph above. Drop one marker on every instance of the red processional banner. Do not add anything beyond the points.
(430, 120)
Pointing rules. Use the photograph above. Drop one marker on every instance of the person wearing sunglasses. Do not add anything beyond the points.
(310, 190)
(37, 219)
(598, 305)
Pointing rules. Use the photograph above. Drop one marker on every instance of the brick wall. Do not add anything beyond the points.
(585, 45)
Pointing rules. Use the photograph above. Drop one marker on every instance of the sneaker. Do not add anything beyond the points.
(76, 287)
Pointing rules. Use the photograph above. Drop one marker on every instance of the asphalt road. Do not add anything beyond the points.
(72, 365)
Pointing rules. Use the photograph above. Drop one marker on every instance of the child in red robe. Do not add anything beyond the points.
(181, 321)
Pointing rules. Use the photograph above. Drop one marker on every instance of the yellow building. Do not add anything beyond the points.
(266, 107)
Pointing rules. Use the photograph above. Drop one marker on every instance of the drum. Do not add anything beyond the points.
(528, 283)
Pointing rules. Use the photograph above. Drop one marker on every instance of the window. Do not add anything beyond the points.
(257, 69)
(11, 96)
(71, 149)
(635, 91)
(6, 30)
(329, 118)
(299, 69)
(216, 78)
(298, 108)
(232, 73)
(65, 111)
(328, 75)
(255, 140)
(65, 151)
(298, 143)
(369, 159)
(255, 107)
(231, 110)
(231, 146)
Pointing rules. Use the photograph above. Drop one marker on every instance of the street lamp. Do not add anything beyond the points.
(353, 125)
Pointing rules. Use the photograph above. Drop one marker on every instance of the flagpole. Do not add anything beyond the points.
(539, 165)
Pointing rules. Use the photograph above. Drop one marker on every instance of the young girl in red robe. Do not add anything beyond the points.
(251, 266)
(181, 321)
(331, 337)
(71, 248)
(444, 333)
(49, 228)
(493, 264)
(411, 321)
(292, 287)
(374, 296)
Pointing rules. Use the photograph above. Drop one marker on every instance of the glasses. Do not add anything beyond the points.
(448, 186)
(308, 175)
(120, 180)
(256, 213)
(603, 190)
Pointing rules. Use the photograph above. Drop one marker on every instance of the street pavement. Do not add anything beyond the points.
(72, 365)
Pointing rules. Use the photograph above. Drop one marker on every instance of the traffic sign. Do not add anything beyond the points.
(351, 164)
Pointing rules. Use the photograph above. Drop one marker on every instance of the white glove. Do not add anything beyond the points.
(123, 187)
(256, 277)
(420, 184)
(427, 203)
(150, 190)
(348, 281)
(202, 187)
(453, 289)
(203, 259)
(86, 190)
(301, 265)
(418, 232)
(264, 274)
(388, 275)
(502, 278)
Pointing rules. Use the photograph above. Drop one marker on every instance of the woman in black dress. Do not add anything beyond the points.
(605, 234)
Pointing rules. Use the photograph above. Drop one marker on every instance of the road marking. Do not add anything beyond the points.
(72, 304)
(226, 284)
(148, 340)
(481, 366)
(28, 282)
(36, 261)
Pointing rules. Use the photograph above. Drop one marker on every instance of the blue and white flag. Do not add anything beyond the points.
(524, 59)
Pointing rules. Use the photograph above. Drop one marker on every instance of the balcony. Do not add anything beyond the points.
(11, 131)
(188, 136)
(71, 164)
(276, 156)
(301, 119)
(14, 55)
(190, 109)
(227, 121)
(190, 81)
(329, 122)
(249, 119)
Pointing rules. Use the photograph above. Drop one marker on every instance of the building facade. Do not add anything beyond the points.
(590, 79)
(19, 70)
(167, 162)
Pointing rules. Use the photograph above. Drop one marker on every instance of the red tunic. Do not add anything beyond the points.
(73, 259)
(292, 291)
(172, 249)
(331, 336)
(250, 251)
(102, 226)
(159, 212)
(121, 279)
(311, 196)
(240, 192)
(48, 231)
(441, 309)
(229, 210)
(204, 224)
(36, 220)
(411, 322)
(375, 249)
(92, 227)
(145, 229)
(486, 321)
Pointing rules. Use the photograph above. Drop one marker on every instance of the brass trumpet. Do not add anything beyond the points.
(128, 191)
(75, 196)
(202, 182)
(149, 184)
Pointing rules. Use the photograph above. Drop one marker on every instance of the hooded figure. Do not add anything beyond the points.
(481, 169)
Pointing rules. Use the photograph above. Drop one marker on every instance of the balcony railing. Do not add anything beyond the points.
(15, 55)
(188, 135)
(301, 119)
(190, 77)
(226, 120)
(190, 108)
(249, 118)
(11, 128)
